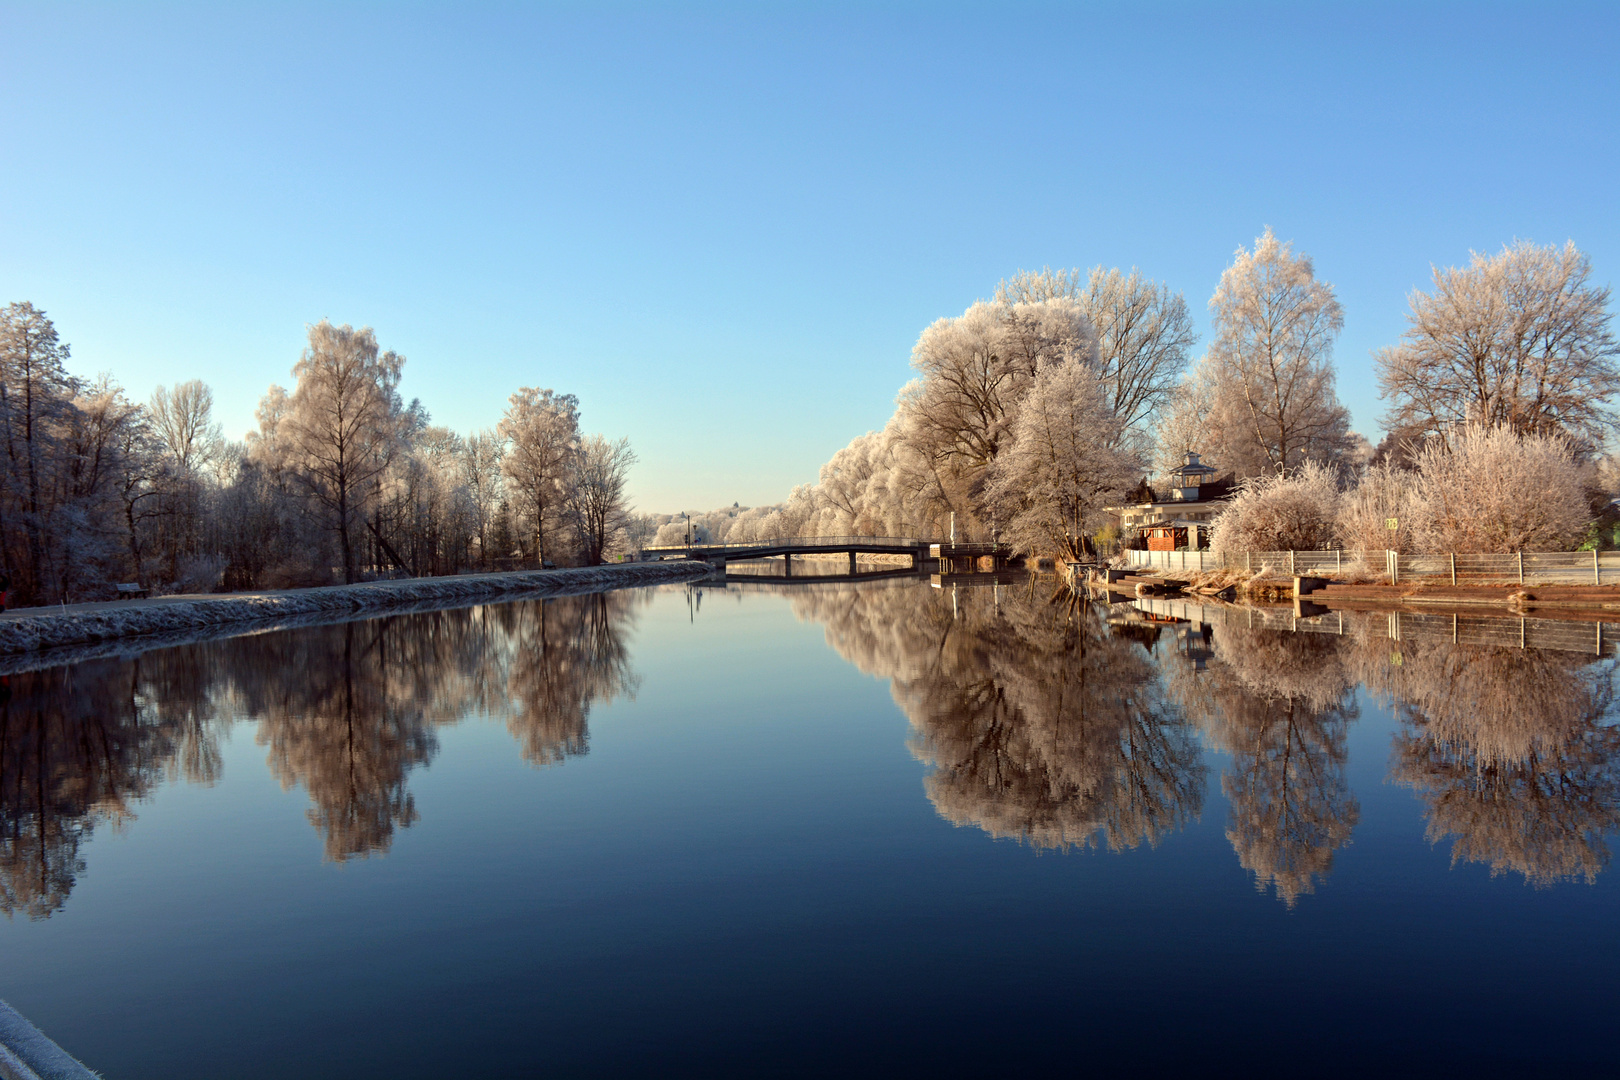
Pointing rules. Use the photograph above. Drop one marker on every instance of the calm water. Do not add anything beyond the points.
(779, 829)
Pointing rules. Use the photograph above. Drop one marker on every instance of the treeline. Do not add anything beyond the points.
(1032, 411)
(340, 481)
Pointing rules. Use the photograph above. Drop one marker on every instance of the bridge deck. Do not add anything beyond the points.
(799, 545)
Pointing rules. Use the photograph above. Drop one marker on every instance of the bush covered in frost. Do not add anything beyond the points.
(1296, 512)
(1494, 490)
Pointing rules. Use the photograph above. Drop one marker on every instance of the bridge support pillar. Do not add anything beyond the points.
(787, 564)
(852, 564)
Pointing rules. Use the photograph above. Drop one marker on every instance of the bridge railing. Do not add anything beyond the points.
(832, 543)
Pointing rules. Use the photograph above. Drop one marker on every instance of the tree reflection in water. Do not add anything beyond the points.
(1514, 753)
(1041, 723)
(345, 712)
(1280, 704)
(77, 747)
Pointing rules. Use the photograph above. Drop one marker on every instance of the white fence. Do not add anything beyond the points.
(1524, 568)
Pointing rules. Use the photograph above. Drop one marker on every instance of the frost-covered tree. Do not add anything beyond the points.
(1271, 359)
(481, 473)
(1201, 415)
(597, 475)
(1143, 331)
(541, 431)
(1061, 464)
(342, 425)
(36, 395)
(1494, 490)
(972, 373)
(183, 419)
(975, 368)
(1521, 338)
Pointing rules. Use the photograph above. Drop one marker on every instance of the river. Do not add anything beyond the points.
(799, 829)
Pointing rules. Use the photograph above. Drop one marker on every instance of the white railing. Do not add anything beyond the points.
(1524, 568)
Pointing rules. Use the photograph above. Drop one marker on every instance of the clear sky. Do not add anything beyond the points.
(724, 226)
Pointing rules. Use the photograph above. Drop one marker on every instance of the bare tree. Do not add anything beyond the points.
(35, 398)
(183, 419)
(1271, 358)
(482, 455)
(541, 430)
(1143, 331)
(596, 480)
(342, 423)
(1521, 338)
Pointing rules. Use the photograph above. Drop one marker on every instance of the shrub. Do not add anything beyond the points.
(1297, 512)
(1382, 492)
(1497, 491)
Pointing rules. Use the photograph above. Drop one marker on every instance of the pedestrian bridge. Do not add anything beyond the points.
(946, 553)
(788, 546)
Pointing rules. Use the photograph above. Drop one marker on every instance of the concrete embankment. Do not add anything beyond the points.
(26, 1053)
(35, 637)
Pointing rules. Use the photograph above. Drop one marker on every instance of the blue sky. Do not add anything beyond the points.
(724, 226)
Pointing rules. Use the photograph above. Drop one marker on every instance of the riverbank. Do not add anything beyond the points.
(35, 637)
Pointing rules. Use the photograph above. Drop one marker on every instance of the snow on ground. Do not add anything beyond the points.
(46, 637)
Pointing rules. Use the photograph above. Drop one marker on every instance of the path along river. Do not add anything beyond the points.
(781, 829)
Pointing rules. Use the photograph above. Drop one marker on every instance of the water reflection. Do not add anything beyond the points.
(1281, 706)
(1514, 752)
(1044, 719)
(1063, 724)
(345, 712)
(1041, 723)
(77, 747)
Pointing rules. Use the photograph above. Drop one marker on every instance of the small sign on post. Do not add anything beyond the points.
(1392, 524)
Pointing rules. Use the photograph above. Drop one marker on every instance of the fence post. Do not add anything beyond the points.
(1246, 568)
(1454, 568)
(1596, 577)
(1338, 561)
(1290, 562)
(1520, 554)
